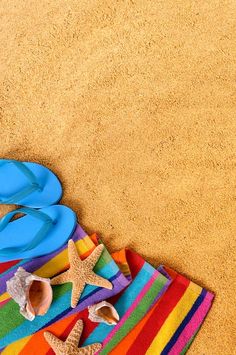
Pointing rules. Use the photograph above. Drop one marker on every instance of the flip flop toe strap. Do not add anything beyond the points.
(47, 224)
(33, 184)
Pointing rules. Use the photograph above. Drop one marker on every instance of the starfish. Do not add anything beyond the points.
(70, 346)
(81, 272)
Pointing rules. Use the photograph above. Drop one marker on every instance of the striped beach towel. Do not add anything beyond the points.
(161, 312)
(14, 326)
(169, 326)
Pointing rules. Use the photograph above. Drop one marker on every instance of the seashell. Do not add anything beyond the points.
(31, 292)
(103, 312)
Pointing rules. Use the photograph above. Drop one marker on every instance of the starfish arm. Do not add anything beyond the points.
(73, 255)
(56, 344)
(96, 280)
(90, 349)
(77, 289)
(93, 258)
(61, 279)
(74, 336)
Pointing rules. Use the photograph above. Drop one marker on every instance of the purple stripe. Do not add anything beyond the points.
(162, 270)
(36, 263)
(169, 281)
(163, 290)
(128, 277)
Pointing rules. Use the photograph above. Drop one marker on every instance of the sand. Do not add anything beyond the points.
(132, 104)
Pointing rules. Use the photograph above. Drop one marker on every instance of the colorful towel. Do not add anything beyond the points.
(15, 326)
(161, 312)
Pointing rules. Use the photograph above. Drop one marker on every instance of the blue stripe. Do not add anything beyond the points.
(186, 320)
(22, 262)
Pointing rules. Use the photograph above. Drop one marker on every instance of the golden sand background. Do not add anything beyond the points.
(132, 104)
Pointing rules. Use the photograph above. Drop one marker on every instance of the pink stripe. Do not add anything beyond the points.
(192, 326)
(130, 310)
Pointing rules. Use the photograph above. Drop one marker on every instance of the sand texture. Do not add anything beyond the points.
(132, 104)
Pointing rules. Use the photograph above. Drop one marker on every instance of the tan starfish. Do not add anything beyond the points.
(81, 272)
(70, 346)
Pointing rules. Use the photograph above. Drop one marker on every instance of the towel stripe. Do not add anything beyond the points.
(130, 338)
(125, 301)
(7, 265)
(161, 311)
(136, 312)
(193, 326)
(186, 320)
(16, 347)
(174, 319)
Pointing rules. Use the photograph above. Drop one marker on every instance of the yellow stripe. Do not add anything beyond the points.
(174, 319)
(124, 268)
(51, 267)
(4, 296)
(89, 244)
(16, 347)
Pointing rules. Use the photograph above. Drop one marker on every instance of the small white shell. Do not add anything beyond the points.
(103, 312)
(31, 292)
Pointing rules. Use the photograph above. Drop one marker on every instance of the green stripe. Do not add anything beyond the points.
(9, 314)
(137, 314)
(103, 261)
(188, 345)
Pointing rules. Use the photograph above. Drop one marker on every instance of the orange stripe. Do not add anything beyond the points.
(127, 341)
(120, 259)
(120, 256)
(38, 345)
(94, 238)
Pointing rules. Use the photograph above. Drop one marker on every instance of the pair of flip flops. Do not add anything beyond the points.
(45, 226)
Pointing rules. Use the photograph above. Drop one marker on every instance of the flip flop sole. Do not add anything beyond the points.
(12, 181)
(21, 232)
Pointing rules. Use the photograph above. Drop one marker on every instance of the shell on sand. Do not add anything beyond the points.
(31, 292)
(103, 312)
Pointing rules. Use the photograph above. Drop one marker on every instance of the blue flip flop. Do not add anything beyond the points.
(28, 184)
(37, 233)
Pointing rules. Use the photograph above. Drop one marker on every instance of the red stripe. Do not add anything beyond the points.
(7, 265)
(162, 310)
(134, 261)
